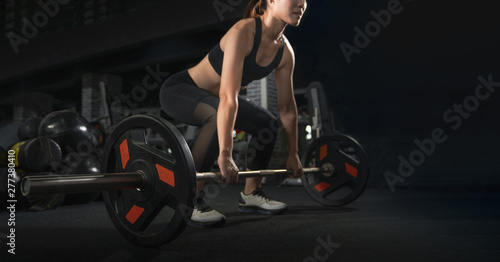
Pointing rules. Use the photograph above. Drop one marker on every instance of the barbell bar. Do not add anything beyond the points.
(215, 176)
(49, 183)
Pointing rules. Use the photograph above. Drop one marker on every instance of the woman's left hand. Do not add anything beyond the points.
(293, 163)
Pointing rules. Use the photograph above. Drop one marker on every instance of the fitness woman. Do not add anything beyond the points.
(207, 95)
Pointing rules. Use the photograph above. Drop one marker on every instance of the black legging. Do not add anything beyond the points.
(184, 101)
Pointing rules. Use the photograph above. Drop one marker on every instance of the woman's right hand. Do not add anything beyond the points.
(228, 169)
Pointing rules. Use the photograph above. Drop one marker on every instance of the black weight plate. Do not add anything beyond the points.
(351, 170)
(160, 211)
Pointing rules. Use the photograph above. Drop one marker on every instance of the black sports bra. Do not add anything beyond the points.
(251, 70)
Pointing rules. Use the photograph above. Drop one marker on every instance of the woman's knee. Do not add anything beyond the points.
(268, 134)
(205, 114)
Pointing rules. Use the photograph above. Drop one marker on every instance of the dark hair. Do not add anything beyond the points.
(255, 8)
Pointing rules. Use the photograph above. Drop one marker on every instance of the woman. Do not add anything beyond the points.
(206, 95)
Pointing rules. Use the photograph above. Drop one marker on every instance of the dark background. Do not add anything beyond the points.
(396, 90)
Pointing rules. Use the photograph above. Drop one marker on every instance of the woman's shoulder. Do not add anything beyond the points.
(242, 32)
(244, 26)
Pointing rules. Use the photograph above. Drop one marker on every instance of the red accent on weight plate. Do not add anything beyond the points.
(351, 170)
(166, 175)
(323, 151)
(134, 214)
(124, 153)
(322, 186)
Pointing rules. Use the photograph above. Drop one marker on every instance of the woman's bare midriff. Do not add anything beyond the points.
(205, 76)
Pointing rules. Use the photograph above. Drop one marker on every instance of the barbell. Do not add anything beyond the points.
(51, 183)
(149, 184)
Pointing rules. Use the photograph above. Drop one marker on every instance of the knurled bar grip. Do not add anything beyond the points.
(256, 173)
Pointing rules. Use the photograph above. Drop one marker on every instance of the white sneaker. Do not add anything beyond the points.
(203, 215)
(257, 201)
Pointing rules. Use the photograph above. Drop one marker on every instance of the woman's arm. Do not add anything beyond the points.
(287, 107)
(236, 47)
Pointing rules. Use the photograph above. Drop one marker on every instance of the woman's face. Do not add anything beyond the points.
(290, 11)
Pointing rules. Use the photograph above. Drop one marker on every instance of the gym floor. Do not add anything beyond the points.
(454, 224)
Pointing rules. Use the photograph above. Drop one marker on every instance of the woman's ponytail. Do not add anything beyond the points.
(255, 8)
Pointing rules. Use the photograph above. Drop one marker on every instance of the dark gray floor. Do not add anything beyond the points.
(408, 225)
